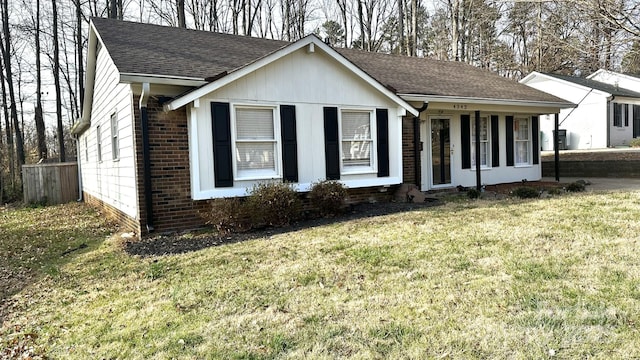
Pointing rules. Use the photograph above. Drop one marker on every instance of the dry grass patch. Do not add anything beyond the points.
(517, 279)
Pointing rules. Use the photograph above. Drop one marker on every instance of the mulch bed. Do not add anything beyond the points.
(176, 243)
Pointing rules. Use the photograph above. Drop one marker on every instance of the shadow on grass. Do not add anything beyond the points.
(175, 244)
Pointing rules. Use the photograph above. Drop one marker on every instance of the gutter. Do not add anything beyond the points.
(484, 101)
(146, 172)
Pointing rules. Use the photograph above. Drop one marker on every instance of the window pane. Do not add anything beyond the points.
(356, 153)
(521, 129)
(356, 125)
(522, 152)
(254, 124)
(255, 155)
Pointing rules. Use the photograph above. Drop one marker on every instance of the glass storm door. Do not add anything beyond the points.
(440, 152)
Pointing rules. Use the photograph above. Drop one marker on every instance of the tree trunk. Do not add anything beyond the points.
(40, 129)
(181, 14)
(401, 26)
(6, 54)
(79, 47)
(56, 79)
(414, 28)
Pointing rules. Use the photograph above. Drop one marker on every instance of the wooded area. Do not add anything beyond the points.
(43, 47)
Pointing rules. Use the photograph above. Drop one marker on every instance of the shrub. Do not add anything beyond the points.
(473, 193)
(328, 197)
(526, 192)
(575, 187)
(635, 142)
(273, 204)
(228, 215)
(555, 191)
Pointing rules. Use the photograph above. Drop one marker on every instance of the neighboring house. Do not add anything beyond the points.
(606, 115)
(174, 117)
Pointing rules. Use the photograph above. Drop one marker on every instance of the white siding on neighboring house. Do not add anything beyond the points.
(586, 125)
(110, 180)
(621, 130)
(616, 79)
(310, 82)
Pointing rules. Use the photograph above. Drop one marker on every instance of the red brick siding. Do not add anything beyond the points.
(126, 222)
(408, 152)
(173, 208)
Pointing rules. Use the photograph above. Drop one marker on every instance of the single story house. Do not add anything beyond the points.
(174, 117)
(607, 115)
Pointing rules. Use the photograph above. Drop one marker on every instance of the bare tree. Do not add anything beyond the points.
(39, 119)
(56, 79)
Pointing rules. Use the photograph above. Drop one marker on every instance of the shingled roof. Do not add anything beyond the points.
(146, 49)
(593, 84)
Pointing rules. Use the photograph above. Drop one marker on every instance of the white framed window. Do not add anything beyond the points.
(484, 143)
(86, 149)
(99, 142)
(618, 114)
(522, 140)
(256, 143)
(357, 144)
(115, 146)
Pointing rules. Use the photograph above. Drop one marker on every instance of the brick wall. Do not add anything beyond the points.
(173, 208)
(408, 152)
(593, 168)
(126, 222)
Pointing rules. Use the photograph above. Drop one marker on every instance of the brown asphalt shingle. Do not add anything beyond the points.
(160, 50)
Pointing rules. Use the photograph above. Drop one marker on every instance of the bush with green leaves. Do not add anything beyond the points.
(228, 215)
(473, 193)
(635, 142)
(575, 187)
(273, 204)
(526, 192)
(328, 197)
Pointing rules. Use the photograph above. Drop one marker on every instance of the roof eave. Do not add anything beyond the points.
(133, 78)
(485, 101)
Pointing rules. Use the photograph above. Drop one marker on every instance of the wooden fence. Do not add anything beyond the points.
(50, 183)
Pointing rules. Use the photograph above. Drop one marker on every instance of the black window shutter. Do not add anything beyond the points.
(382, 133)
(495, 141)
(221, 128)
(535, 136)
(331, 143)
(509, 136)
(289, 143)
(465, 125)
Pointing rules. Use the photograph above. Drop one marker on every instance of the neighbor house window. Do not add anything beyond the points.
(99, 142)
(617, 115)
(86, 149)
(484, 142)
(357, 141)
(256, 143)
(522, 138)
(625, 113)
(115, 146)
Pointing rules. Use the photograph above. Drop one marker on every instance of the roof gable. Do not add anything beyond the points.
(597, 85)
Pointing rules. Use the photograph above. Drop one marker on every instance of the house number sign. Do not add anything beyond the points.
(460, 106)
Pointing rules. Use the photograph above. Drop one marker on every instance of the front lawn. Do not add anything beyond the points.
(556, 277)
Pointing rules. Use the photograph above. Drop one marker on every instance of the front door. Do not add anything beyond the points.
(440, 152)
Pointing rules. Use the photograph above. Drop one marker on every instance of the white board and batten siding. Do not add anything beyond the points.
(310, 82)
(110, 180)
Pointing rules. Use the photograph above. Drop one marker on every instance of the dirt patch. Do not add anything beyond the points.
(538, 185)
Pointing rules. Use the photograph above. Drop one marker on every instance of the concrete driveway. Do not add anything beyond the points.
(630, 184)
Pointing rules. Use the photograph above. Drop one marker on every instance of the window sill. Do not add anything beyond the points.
(473, 168)
(523, 166)
(359, 172)
(254, 178)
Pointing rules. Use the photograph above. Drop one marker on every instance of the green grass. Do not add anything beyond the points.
(558, 278)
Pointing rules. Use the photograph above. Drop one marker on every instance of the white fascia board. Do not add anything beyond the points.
(552, 78)
(161, 79)
(310, 39)
(484, 101)
(601, 71)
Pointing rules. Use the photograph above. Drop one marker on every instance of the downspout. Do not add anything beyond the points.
(609, 120)
(78, 158)
(416, 144)
(478, 175)
(146, 172)
(556, 147)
